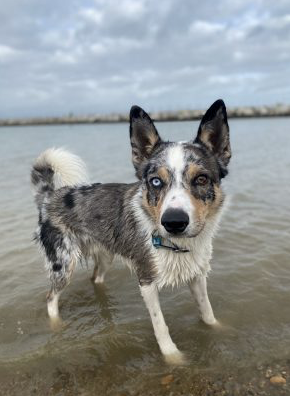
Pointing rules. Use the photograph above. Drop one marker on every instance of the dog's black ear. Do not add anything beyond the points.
(213, 131)
(143, 135)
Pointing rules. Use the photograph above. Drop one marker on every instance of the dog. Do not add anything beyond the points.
(162, 225)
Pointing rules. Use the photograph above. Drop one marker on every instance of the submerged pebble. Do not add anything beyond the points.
(167, 379)
(278, 379)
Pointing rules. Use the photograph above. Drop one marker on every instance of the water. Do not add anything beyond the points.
(107, 344)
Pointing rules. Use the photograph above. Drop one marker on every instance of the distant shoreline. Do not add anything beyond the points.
(180, 115)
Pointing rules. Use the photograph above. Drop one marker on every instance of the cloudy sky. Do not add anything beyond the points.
(101, 56)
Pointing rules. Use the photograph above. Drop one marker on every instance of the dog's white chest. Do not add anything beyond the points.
(176, 268)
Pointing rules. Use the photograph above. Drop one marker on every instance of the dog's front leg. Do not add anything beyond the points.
(167, 346)
(198, 288)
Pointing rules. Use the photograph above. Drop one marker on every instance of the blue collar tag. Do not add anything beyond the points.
(157, 243)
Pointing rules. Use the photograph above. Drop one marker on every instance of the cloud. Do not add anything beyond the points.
(206, 28)
(8, 53)
(104, 55)
(91, 15)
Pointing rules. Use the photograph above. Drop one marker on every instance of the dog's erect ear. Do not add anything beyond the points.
(213, 131)
(143, 135)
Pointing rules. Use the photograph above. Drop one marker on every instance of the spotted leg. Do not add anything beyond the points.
(60, 274)
(167, 346)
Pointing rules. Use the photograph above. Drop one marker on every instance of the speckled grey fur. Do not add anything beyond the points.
(75, 220)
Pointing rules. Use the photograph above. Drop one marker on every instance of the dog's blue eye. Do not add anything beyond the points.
(156, 182)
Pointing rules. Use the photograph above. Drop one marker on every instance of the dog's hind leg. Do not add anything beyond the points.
(60, 264)
(52, 304)
(60, 274)
(198, 288)
(103, 260)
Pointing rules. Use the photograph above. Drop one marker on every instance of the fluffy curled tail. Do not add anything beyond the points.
(56, 168)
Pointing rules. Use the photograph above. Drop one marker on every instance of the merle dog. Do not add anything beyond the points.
(162, 224)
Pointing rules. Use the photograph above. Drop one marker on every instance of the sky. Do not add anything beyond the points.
(102, 56)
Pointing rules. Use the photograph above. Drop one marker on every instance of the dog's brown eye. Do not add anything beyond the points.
(201, 180)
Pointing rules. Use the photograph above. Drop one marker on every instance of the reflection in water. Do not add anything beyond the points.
(105, 302)
(107, 345)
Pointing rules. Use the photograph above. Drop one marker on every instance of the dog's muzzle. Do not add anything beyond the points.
(175, 221)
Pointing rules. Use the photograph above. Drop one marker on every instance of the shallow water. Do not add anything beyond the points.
(107, 344)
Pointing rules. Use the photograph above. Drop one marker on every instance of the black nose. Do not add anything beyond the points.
(174, 221)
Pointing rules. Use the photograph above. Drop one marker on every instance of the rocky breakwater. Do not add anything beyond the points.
(278, 110)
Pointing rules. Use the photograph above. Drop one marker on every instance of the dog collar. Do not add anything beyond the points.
(157, 243)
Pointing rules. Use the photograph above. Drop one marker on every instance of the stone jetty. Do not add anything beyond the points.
(279, 110)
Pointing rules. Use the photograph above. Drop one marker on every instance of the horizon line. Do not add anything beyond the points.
(278, 110)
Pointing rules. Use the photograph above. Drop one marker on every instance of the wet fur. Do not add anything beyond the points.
(78, 220)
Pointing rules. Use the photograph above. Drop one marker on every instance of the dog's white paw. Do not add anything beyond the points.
(175, 358)
(210, 321)
(216, 324)
(99, 280)
(219, 326)
(223, 327)
(56, 323)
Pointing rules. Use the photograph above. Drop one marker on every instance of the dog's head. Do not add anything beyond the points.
(181, 181)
